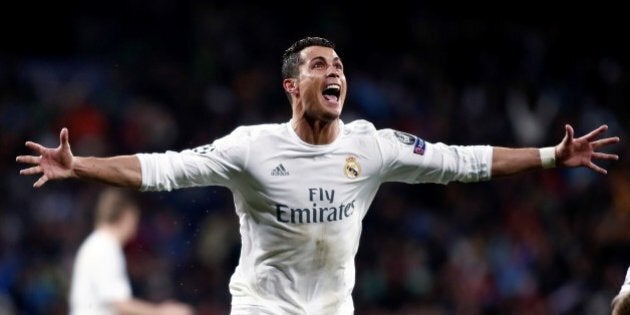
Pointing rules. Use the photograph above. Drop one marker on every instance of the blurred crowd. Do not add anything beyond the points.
(143, 76)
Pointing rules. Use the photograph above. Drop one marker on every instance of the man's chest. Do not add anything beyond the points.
(306, 187)
(286, 171)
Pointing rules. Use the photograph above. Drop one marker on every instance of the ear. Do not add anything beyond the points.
(290, 86)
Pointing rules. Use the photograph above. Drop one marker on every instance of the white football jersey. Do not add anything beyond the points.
(99, 276)
(300, 205)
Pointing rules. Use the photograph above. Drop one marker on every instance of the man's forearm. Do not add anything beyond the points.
(122, 171)
(509, 161)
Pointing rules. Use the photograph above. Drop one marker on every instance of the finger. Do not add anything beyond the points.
(31, 170)
(602, 142)
(605, 156)
(568, 137)
(35, 146)
(41, 181)
(63, 138)
(593, 134)
(596, 168)
(28, 159)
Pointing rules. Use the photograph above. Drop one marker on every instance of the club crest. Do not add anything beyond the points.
(352, 168)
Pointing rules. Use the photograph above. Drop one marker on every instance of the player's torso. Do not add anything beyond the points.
(300, 209)
(297, 184)
(84, 292)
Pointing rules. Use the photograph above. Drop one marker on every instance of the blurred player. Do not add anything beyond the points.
(301, 188)
(99, 280)
(621, 302)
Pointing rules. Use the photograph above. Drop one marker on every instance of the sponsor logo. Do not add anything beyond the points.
(405, 137)
(280, 171)
(319, 207)
(419, 146)
(314, 213)
(352, 168)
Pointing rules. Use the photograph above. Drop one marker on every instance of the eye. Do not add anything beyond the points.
(339, 66)
(318, 65)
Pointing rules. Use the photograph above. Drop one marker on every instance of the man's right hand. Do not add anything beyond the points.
(52, 163)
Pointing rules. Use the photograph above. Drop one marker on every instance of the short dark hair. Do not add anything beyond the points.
(291, 57)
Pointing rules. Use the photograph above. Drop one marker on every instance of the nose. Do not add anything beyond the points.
(333, 72)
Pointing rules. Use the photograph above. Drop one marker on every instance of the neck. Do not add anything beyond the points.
(316, 131)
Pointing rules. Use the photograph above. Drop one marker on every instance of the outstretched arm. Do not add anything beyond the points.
(570, 152)
(59, 163)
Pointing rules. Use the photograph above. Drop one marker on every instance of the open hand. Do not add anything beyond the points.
(573, 152)
(52, 163)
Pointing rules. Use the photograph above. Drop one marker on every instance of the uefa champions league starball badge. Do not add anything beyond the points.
(352, 169)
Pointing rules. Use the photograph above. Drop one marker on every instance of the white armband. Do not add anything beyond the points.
(548, 157)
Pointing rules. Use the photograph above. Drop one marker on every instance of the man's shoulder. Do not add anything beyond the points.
(97, 245)
(99, 239)
(360, 126)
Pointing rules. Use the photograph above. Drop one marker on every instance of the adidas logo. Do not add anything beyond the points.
(280, 171)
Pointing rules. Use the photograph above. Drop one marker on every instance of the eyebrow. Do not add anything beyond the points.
(324, 59)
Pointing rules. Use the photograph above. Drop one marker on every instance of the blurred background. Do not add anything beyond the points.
(148, 76)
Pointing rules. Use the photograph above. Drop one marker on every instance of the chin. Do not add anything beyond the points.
(325, 114)
(332, 113)
(329, 117)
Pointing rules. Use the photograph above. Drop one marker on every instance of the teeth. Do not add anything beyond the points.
(333, 86)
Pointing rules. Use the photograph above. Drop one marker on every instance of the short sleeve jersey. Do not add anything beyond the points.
(99, 276)
(300, 206)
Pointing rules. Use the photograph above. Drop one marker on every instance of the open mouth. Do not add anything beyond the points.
(332, 92)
